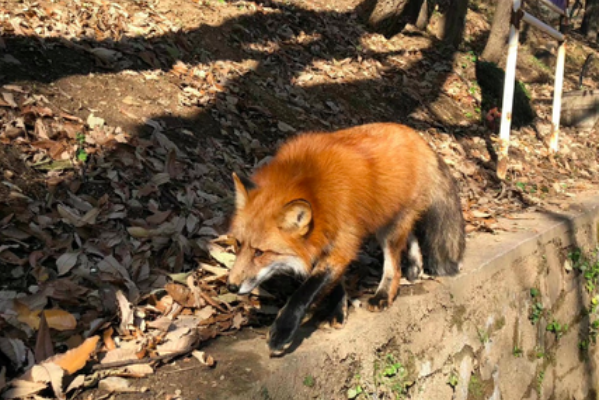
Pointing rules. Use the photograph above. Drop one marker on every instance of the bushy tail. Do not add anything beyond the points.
(441, 231)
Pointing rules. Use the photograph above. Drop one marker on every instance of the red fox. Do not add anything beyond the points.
(309, 209)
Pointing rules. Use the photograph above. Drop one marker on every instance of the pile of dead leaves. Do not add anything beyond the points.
(62, 315)
(121, 220)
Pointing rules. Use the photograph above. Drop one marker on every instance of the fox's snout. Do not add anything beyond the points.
(231, 287)
(240, 281)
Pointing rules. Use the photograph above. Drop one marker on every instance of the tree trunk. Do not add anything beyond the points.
(498, 37)
(389, 17)
(590, 22)
(453, 22)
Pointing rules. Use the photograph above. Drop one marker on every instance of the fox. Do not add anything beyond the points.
(308, 210)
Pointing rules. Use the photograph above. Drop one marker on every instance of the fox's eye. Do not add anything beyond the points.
(258, 253)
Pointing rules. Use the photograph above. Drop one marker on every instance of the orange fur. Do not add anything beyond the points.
(356, 181)
(308, 210)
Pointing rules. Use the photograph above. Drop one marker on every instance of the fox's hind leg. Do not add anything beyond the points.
(412, 259)
(393, 239)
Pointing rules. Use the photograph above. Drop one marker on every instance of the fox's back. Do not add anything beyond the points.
(361, 175)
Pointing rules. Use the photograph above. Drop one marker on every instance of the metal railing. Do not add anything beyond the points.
(519, 15)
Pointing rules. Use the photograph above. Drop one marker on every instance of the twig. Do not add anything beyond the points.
(125, 363)
(184, 369)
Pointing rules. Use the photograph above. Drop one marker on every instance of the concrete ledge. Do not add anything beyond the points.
(465, 327)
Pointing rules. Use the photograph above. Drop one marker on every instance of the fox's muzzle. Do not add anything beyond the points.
(231, 287)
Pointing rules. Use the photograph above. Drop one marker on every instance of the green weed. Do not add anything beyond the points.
(588, 266)
(536, 312)
(392, 375)
(557, 328)
(453, 380)
(309, 381)
(483, 336)
(81, 153)
(517, 352)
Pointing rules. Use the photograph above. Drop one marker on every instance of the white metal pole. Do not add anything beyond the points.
(557, 96)
(540, 25)
(508, 93)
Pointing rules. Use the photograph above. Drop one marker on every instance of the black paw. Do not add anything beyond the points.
(378, 302)
(338, 318)
(282, 332)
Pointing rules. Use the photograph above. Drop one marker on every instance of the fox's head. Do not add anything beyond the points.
(270, 232)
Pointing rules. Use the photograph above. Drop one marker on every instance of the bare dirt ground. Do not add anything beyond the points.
(121, 122)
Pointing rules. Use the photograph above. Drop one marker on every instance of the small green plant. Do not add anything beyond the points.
(81, 153)
(584, 345)
(557, 328)
(483, 335)
(588, 266)
(540, 379)
(393, 369)
(354, 392)
(534, 292)
(453, 380)
(537, 311)
(517, 351)
(475, 387)
(593, 331)
(309, 381)
(539, 352)
(392, 375)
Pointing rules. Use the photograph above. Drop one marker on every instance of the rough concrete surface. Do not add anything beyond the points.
(472, 330)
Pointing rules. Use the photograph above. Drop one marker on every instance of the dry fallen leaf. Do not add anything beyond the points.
(76, 383)
(15, 350)
(56, 374)
(203, 358)
(43, 344)
(221, 255)
(27, 316)
(140, 370)
(114, 384)
(126, 312)
(75, 359)
(107, 339)
(66, 262)
(182, 343)
(21, 389)
(93, 121)
(60, 320)
(120, 354)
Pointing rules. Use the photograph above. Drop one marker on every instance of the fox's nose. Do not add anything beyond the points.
(233, 288)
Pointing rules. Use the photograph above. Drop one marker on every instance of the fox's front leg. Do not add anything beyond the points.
(325, 277)
(290, 317)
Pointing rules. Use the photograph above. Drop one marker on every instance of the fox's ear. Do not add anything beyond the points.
(242, 185)
(295, 217)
